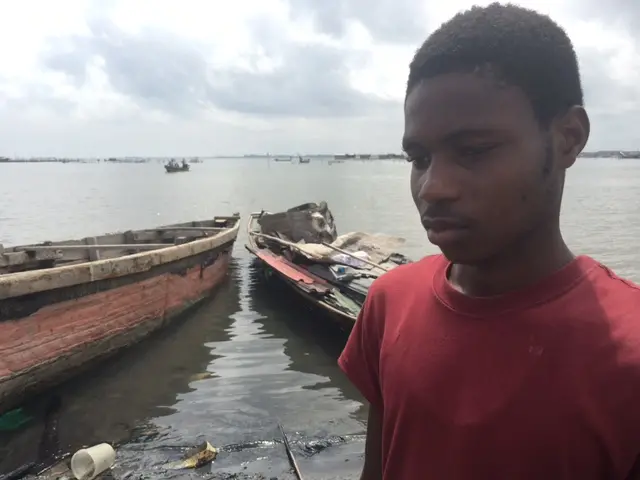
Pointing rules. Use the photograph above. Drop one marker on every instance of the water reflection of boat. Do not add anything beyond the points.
(313, 346)
(301, 247)
(67, 304)
(268, 294)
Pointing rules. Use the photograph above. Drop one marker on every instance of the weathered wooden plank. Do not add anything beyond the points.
(124, 246)
(166, 236)
(186, 229)
(291, 271)
(9, 258)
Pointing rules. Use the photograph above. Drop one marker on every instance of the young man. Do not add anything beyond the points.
(506, 357)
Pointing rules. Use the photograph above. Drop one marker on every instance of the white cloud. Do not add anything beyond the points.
(162, 77)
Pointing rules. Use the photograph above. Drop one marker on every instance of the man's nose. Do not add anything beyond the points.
(439, 182)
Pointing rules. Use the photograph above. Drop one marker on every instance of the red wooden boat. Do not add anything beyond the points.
(336, 288)
(65, 305)
(312, 288)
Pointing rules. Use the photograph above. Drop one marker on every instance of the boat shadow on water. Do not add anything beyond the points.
(309, 328)
(271, 294)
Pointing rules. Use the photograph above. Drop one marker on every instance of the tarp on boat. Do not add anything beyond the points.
(378, 247)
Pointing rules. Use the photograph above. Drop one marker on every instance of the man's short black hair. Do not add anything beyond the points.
(521, 47)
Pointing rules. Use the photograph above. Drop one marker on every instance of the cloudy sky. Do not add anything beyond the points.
(205, 77)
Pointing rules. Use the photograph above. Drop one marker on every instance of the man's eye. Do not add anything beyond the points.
(419, 161)
(472, 150)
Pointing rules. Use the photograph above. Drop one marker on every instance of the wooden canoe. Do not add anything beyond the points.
(338, 298)
(65, 305)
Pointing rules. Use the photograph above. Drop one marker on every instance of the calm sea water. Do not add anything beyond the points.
(252, 356)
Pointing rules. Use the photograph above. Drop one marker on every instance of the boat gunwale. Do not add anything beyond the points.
(34, 281)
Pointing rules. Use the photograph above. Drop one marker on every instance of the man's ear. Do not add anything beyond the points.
(570, 133)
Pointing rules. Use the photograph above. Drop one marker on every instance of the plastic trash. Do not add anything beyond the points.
(200, 376)
(350, 260)
(13, 419)
(196, 457)
(88, 463)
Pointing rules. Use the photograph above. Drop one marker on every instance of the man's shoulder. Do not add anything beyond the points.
(609, 307)
(607, 326)
(615, 294)
(616, 279)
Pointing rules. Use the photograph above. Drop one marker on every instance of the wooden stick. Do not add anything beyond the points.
(292, 460)
(19, 472)
(123, 246)
(296, 246)
(187, 229)
(277, 240)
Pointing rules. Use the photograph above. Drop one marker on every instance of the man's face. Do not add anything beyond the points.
(483, 171)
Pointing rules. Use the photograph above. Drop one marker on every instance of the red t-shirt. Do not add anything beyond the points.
(538, 384)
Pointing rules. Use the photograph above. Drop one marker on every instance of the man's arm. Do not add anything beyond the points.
(373, 447)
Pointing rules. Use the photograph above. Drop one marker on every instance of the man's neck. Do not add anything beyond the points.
(536, 257)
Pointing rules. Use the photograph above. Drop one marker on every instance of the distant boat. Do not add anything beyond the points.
(174, 167)
(303, 160)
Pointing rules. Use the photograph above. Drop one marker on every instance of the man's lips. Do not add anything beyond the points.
(439, 224)
(443, 231)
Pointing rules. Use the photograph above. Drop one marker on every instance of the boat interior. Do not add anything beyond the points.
(112, 245)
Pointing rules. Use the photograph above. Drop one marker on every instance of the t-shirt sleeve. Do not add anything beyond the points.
(360, 358)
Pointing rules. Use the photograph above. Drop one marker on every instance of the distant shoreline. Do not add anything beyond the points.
(286, 158)
(616, 154)
(612, 154)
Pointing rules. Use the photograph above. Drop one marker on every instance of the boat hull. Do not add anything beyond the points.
(342, 320)
(48, 334)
